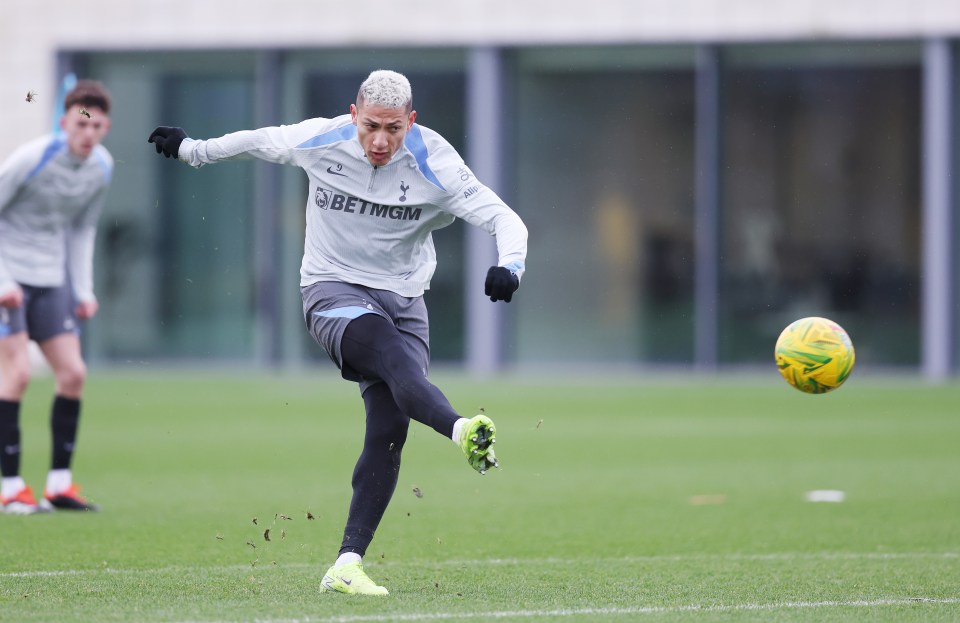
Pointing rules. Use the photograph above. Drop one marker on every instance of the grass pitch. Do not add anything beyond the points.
(665, 499)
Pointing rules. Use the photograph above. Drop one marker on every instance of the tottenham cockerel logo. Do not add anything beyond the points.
(323, 198)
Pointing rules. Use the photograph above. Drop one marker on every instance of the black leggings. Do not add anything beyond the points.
(375, 349)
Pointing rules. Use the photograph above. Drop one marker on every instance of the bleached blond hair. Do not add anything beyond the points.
(386, 88)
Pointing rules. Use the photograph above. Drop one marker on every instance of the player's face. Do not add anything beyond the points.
(381, 130)
(84, 132)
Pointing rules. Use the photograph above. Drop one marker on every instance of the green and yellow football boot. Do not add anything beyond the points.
(476, 440)
(350, 579)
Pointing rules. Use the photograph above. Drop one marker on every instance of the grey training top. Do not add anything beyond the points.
(50, 201)
(372, 225)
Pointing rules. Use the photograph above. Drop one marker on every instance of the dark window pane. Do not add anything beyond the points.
(206, 302)
(438, 98)
(605, 185)
(821, 209)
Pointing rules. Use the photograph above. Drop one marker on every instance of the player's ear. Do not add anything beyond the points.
(63, 122)
(353, 113)
(412, 118)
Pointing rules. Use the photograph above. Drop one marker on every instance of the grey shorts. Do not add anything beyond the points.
(329, 306)
(45, 313)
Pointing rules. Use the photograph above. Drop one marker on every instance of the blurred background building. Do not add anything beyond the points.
(694, 174)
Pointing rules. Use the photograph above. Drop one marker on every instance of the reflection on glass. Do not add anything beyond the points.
(821, 210)
(605, 185)
(438, 97)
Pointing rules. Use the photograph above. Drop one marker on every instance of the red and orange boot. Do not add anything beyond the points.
(70, 500)
(23, 503)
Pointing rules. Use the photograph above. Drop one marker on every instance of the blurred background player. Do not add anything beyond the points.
(379, 185)
(52, 190)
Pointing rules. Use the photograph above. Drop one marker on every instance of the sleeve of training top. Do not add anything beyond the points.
(80, 244)
(273, 144)
(13, 172)
(472, 201)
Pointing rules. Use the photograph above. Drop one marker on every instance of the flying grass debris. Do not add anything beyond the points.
(31, 96)
(84, 112)
(417, 492)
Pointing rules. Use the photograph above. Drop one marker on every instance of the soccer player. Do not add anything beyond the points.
(379, 185)
(52, 190)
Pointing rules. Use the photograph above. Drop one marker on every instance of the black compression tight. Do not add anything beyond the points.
(374, 348)
(375, 476)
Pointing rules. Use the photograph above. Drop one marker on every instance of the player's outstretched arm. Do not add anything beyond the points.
(167, 140)
(277, 144)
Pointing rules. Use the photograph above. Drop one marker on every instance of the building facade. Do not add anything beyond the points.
(694, 175)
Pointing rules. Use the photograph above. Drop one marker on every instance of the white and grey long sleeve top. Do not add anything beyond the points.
(50, 201)
(372, 225)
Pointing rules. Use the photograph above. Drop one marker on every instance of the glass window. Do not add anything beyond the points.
(820, 203)
(955, 50)
(821, 200)
(206, 289)
(328, 85)
(604, 179)
(172, 266)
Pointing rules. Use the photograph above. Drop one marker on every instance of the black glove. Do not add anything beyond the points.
(501, 284)
(167, 140)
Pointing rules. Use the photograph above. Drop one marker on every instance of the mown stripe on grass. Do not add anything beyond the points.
(784, 556)
(565, 612)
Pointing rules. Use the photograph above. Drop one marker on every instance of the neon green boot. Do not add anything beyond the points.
(350, 579)
(476, 440)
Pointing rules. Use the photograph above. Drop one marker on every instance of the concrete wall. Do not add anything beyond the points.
(32, 31)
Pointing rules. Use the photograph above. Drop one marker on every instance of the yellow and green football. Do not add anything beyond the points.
(815, 355)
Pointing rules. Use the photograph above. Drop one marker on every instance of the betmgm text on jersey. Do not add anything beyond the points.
(329, 200)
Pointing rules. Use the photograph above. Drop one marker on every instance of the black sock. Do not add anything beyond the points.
(64, 419)
(9, 438)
